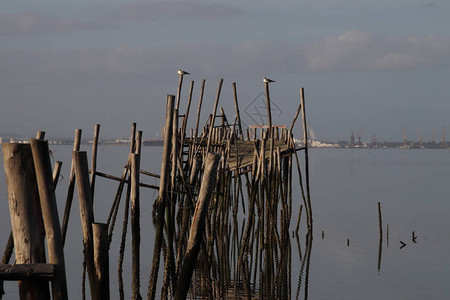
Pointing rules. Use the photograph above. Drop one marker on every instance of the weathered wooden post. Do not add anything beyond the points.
(50, 217)
(198, 226)
(101, 258)
(86, 216)
(25, 212)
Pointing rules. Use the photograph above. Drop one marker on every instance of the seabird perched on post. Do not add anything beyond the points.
(265, 79)
(181, 72)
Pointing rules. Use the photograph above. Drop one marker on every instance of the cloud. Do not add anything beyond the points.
(31, 23)
(356, 50)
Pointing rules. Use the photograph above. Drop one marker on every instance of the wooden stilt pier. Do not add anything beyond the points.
(222, 215)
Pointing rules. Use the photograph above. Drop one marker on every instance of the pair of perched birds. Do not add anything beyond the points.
(182, 72)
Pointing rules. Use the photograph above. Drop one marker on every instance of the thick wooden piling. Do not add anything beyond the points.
(50, 217)
(26, 220)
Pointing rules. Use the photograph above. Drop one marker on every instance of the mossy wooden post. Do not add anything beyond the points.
(135, 227)
(101, 258)
(160, 203)
(25, 213)
(76, 147)
(86, 216)
(198, 226)
(50, 217)
(94, 158)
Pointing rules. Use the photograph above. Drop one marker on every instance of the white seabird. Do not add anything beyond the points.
(181, 72)
(265, 79)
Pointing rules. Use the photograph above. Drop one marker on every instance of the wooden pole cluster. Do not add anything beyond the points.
(254, 175)
(33, 210)
(222, 215)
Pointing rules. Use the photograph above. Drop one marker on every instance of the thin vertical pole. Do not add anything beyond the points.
(94, 158)
(236, 105)
(199, 109)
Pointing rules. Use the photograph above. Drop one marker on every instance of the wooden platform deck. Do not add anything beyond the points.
(241, 152)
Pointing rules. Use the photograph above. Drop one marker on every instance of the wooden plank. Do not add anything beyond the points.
(27, 272)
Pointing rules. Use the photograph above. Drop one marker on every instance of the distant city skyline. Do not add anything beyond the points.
(382, 65)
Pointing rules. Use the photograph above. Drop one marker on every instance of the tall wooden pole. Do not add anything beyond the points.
(305, 139)
(161, 201)
(76, 147)
(86, 216)
(236, 105)
(50, 217)
(269, 110)
(135, 227)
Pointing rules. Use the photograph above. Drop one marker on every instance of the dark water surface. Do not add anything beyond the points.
(346, 184)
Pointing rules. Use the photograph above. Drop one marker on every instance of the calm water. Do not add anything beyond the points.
(346, 184)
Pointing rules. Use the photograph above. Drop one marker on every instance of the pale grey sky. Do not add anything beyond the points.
(378, 64)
